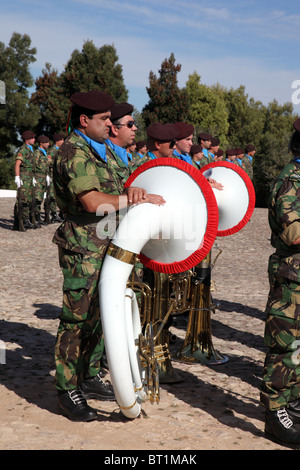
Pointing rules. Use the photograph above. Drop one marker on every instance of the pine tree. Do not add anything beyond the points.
(94, 69)
(17, 114)
(168, 103)
(53, 104)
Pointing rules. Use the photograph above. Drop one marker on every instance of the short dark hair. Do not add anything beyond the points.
(77, 111)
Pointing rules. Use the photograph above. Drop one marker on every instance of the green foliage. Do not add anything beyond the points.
(167, 102)
(94, 68)
(17, 114)
(207, 110)
(7, 180)
(52, 102)
(273, 144)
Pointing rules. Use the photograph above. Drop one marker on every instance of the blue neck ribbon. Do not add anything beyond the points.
(99, 148)
(184, 157)
(297, 160)
(120, 151)
(30, 146)
(43, 150)
(250, 158)
(151, 155)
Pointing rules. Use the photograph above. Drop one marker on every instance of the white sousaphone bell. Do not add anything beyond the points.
(236, 203)
(172, 238)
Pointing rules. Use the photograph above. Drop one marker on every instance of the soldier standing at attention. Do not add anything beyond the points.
(184, 141)
(85, 178)
(204, 139)
(248, 159)
(198, 160)
(24, 173)
(58, 140)
(42, 178)
(280, 389)
(122, 133)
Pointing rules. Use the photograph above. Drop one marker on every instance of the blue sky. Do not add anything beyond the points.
(250, 43)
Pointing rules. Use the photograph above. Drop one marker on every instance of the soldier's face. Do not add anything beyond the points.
(184, 145)
(125, 131)
(98, 127)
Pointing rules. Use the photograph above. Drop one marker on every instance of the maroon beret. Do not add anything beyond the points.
(58, 136)
(239, 150)
(297, 125)
(204, 136)
(93, 100)
(230, 152)
(215, 141)
(196, 149)
(43, 139)
(163, 132)
(250, 148)
(220, 153)
(185, 129)
(119, 110)
(28, 135)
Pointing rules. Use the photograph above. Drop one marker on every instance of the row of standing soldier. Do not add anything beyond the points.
(206, 151)
(33, 177)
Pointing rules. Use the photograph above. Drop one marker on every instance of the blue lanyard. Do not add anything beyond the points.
(120, 151)
(98, 147)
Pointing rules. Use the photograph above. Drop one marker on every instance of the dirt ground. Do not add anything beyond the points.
(214, 407)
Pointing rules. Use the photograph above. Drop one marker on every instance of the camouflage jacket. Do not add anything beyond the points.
(51, 155)
(27, 158)
(77, 168)
(41, 162)
(247, 166)
(284, 220)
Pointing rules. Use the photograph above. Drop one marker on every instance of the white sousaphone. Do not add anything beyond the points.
(171, 238)
(236, 201)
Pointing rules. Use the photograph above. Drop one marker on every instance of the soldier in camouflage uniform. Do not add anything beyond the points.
(280, 389)
(204, 139)
(24, 173)
(86, 177)
(58, 140)
(122, 133)
(248, 160)
(42, 178)
(184, 142)
(198, 160)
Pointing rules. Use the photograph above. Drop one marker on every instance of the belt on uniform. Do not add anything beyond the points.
(88, 219)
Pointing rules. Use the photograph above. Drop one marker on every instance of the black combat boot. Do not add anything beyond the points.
(75, 407)
(294, 410)
(95, 387)
(280, 426)
(55, 219)
(28, 224)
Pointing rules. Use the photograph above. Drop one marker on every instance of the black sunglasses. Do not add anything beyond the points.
(128, 124)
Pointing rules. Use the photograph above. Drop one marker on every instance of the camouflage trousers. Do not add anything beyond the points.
(24, 202)
(79, 343)
(281, 376)
(39, 191)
